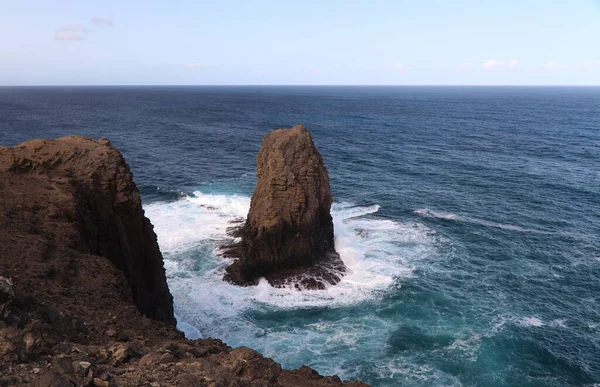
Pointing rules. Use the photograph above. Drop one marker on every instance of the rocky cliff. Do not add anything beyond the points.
(83, 295)
(288, 235)
(76, 196)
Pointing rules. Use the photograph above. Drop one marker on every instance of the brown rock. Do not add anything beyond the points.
(84, 366)
(167, 358)
(101, 383)
(62, 366)
(249, 365)
(53, 380)
(75, 194)
(288, 234)
(150, 358)
(84, 263)
(119, 356)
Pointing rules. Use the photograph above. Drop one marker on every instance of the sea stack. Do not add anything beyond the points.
(288, 235)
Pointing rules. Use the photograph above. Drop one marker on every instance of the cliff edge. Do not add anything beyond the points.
(83, 294)
(75, 195)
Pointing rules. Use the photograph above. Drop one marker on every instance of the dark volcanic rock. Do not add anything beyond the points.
(78, 263)
(288, 235)
(77, 194)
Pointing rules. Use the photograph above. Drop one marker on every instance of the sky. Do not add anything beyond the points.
(309, 42)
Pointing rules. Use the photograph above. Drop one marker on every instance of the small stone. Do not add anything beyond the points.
(150, 358)
(93, 350)
(118, 371)
(63, 366)
(100, 383)
(119, 356)
(84, 366)
(167, 358)
(36, 370)
(28, 339)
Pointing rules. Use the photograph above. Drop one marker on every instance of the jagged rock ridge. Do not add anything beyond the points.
(288, 235)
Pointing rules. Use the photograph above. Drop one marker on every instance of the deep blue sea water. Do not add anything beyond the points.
(469, 217)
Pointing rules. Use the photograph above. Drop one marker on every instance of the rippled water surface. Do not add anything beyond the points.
(469, 219)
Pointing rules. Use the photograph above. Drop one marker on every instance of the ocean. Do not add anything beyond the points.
(469, 218)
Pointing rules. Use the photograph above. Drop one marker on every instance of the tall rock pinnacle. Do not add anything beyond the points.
(288, 234)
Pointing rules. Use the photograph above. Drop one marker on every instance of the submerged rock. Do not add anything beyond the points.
(288, 235)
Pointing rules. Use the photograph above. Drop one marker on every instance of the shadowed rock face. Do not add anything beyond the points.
(77, 195)
(288, 234)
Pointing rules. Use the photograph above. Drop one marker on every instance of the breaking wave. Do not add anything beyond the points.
(377, 253)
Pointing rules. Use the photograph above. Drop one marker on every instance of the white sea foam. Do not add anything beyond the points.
(416, 374)
(436, 214)
(183, 224)
(468, 346)
(377, 252)
(531, 322)
(427, 213)
(506, 318)
(559, 323)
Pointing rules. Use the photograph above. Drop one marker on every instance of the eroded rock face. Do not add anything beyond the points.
(78, 263)
(76, 195)
(288, 234)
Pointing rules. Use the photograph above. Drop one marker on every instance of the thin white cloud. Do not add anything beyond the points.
(372, 52)
(588, 64)
(73, 32)
(550, 65)
(197, 65)
(464, 66)
(399, 67)
(492, 64)
(100, 21)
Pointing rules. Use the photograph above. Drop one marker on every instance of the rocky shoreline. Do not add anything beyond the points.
(83, 295)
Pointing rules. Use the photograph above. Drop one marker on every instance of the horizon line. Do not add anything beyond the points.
(295, 85)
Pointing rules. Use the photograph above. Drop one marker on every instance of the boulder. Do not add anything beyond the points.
(288, 234)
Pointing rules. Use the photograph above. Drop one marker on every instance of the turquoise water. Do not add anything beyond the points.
(469, 219)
